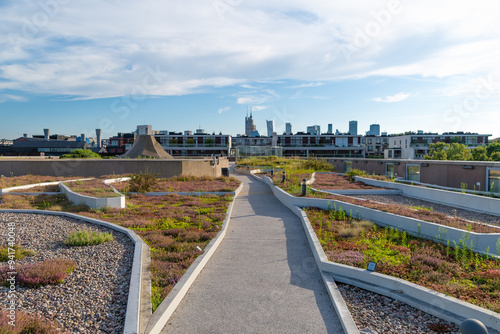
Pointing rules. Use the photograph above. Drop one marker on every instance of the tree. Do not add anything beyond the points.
(495, 156)
(209, 142)
(437, 151)
(492, 148)
(81, 154)
(479, 154)
(190, 142)
(458, 152)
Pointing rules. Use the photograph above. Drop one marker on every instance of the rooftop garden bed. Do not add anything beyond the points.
(185, 184)
(92, 188)
(173, 226)
(15, 181)
(293, 186)
(337, 182)
(453, 269)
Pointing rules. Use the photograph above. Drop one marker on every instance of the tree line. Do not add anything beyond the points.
(456, 151)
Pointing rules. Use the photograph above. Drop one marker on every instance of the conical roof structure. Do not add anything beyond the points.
(146, 146)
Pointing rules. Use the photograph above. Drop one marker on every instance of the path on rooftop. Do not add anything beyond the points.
(261, 279)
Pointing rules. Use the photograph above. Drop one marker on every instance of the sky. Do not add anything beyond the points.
(74, 66)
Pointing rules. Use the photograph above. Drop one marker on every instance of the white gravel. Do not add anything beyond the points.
(376, 314)
(93, 298)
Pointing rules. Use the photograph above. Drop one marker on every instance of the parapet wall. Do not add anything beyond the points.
(99, 167)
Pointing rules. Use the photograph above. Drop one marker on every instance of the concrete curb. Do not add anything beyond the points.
(420, 228)
(350, 192)
(193, 193)
(28, 186)
(132, 315)
(94, 202)
(452, 198)
(345, 317)
(419, 297)
(163, 313)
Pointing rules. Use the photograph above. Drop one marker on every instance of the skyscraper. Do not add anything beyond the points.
(288, 128)
(353, 127)
(374, 130)
(270, 127)
(330, 129)
(249, 126)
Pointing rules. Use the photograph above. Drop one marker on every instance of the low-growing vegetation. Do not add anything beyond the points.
(176, 228)
(87, 238)
(27, 323)
(7, 181)
(454, 270)
(422, 213)
(338, 182)
(180, 184)
(81, 154)
(289, 164)
(36, 274)
(14, 253)
(93, 188)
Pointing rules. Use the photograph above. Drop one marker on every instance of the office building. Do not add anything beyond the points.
(314, 130)
(270, 127)
(353, 128)
(288, 128)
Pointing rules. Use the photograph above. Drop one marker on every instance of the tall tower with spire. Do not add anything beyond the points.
(249, 126)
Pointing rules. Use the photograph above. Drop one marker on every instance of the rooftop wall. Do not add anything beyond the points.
(98, 167)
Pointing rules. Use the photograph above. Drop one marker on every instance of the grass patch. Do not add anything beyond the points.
(33, 275)
(454, 270)
(16, 253)
(87, 238)
(27, 323)
(92, 188)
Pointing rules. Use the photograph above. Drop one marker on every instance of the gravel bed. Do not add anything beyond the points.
(446, 209)
(375, 314)
(93, 298)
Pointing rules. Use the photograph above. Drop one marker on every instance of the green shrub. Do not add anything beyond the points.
(355, 172)
(20, 253)
(85, 238)
(81, 154)
(143, 182)
(317, 165)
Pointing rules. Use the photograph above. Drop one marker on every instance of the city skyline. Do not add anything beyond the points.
(73, 68)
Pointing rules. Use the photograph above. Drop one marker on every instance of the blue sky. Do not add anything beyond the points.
(74, 66)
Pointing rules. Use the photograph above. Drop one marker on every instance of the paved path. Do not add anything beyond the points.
(261, 279)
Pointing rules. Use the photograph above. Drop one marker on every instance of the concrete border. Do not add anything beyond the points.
(350, 192)
(420, 228)
(132, 315)
(163, 313)
(28, 186)
(419, 297)
(94, 202)
(452, 198)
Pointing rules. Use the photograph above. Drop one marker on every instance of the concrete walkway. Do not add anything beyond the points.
(261, 279)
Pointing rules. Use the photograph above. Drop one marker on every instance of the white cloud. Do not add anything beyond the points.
(221, 110)
(395, 98)
(258, 108)
(10, 97)
(307, 85)
(97, 49)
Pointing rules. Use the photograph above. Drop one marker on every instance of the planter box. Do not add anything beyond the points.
(457, 199)
(94, 202)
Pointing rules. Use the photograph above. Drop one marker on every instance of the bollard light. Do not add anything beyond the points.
(283, 177)
(472, 326)
(304, 187)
